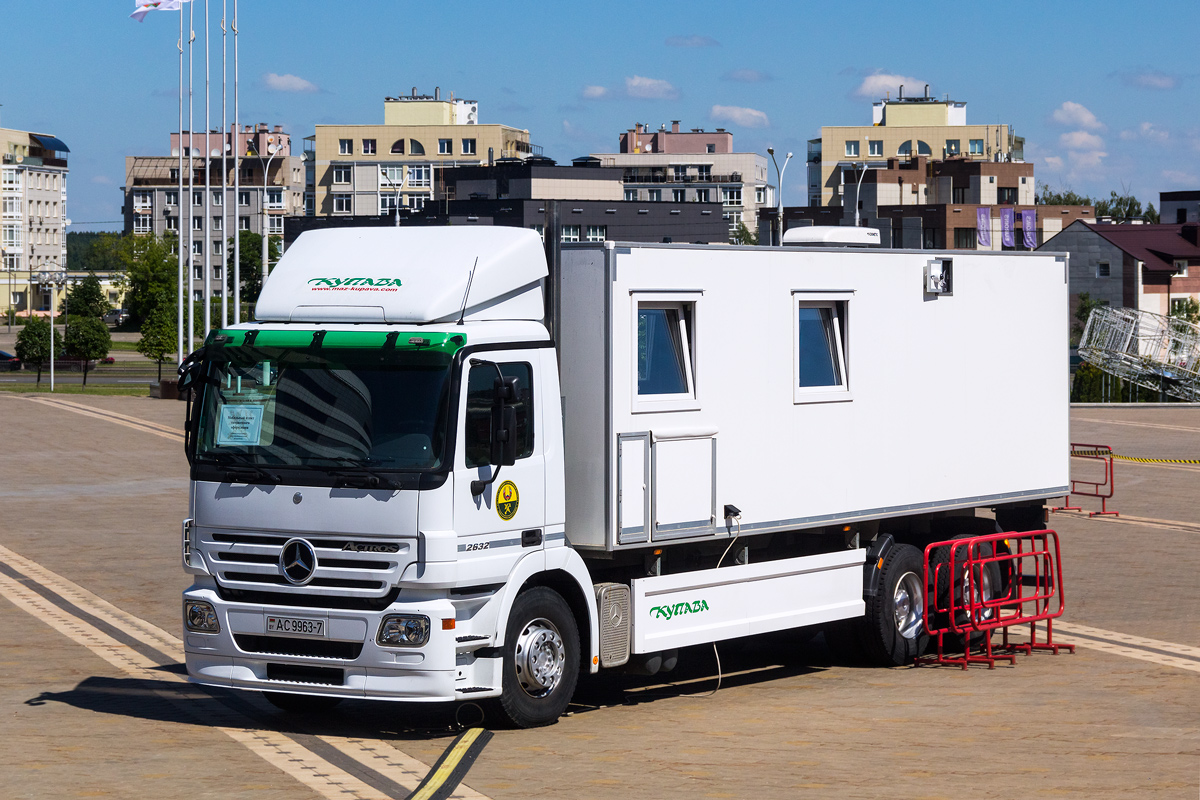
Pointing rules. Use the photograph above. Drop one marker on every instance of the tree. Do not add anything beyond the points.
(1151, 215)
(1188, 310)
(1064, 197)
(1082, 312)
(88, 339)
(743, 235)
(151, 266)
(33, 343)
(159, 331)
(86, 299)
(250, 264)
(1122, 208)
(94, 252)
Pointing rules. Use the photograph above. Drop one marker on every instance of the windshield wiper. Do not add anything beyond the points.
(357, 475)
(244, 473)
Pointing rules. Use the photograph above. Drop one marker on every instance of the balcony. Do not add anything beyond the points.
(733, 177)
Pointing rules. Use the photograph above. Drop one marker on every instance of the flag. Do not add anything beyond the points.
(144, 7)
(1029, 228)
(983, 218)
(1007, 223)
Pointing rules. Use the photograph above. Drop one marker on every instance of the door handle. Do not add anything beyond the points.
(531, 538)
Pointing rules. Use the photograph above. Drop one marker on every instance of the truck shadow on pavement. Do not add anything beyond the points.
(743, 663)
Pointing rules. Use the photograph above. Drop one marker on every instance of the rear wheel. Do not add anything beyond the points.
(984, 584)
(302, 703)
(541, 659)
(893, 630)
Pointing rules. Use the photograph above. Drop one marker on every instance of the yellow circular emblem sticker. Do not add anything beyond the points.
(507, 500)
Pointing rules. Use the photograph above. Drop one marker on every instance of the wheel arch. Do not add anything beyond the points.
(563, 571)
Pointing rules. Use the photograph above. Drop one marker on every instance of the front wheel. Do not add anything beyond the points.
(541, 659)
(894, 626)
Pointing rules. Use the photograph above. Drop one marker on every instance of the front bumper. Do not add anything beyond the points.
(233, 657)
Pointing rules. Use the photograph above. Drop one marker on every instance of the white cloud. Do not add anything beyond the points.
(877, 85)
(1076, 116)
(694, 40)
(1081, 140)
(1148, 79)
(1180, 178)
(650, 88)
(573, 131)
(594, 92)
(107, 181)
(1086, 160)
(1055, 163)
(288, 83)
(747, 76)
(1146, 131)
(746, 117)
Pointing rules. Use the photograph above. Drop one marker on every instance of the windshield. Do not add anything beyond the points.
(324, 408)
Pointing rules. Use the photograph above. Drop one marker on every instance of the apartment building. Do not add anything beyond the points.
(1147, 267)
(374, 169)
(905, 127)
(33, 217)
(695, 166)
(271, 187)
(1179, 207)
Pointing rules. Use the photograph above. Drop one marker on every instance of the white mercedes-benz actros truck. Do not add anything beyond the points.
(433, 471)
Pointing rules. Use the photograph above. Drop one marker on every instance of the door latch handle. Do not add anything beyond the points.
(531, 538)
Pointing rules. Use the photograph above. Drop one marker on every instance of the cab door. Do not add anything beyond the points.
(508, 518)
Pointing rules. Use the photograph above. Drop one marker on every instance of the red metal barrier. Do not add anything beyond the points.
(1102, 489)
(976, 585)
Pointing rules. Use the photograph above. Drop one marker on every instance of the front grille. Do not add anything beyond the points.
(286, 646)
(279, 580)
(294, 673)
(308, 600)
(247, 560)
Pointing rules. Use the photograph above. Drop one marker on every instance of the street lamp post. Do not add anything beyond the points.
(272, 149)
(858, 188)
(396, 189)
(9, 269)
(779, 189)
(55, 279)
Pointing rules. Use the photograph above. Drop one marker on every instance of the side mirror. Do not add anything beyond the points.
(191, 369)
(504, 423)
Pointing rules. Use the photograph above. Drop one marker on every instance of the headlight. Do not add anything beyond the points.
(200, 617)
(404, 630)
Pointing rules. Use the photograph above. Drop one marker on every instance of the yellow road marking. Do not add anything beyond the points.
(275, 748)
(448, 765)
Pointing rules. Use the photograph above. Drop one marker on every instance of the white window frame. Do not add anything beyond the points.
(142, 223)
(875, 148)
(1181, 267)
(419, 175)
(689, 336)
(368, 147)
(171, 199)
(468, 147)
(343, 200)
(217, 224)
(839, 302)
(345, 147)
(274, 224)
(728, 195)
(445, 147)
(343, 174)
(595, 233)
(1103, 269)
(852, 148)
(631, 195)
(975, 146)
(275, 199)
(172, 224)
(197, 195)
(243, 199)
(218, 198)
(571, 233)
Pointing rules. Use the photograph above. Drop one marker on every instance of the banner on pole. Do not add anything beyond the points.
(983, 224)
(1029, 228)
(142, 8)
(1008, 221)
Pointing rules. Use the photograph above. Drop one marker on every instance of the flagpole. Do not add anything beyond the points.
(207, 180)
(224, 183)
(191, 333)
(237, 185)
(179, 206)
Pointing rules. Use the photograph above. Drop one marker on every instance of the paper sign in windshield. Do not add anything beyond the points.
(240, 425)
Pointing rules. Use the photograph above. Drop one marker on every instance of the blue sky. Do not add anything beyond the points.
(1104, 93)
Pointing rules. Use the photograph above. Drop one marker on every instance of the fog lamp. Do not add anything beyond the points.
(200, 617)
(404, 630)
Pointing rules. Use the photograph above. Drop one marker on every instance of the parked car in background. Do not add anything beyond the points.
(9, 362)
(117, 316)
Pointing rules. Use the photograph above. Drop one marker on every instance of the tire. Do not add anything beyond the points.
(893, 629)
(541, 660)
(302, 703)
(988, 584)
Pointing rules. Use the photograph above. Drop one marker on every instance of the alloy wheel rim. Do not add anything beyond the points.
(540, 657)
(908, 605)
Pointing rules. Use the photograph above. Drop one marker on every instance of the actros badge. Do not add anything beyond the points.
(507, 500)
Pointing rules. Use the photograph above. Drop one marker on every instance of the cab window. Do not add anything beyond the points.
(480, 391)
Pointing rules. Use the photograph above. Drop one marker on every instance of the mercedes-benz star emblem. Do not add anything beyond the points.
(298, 561)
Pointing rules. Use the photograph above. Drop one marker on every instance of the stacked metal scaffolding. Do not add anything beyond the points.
(1160, 353)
